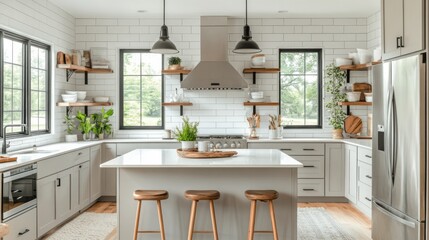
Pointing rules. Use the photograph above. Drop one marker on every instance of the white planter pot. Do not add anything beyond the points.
(188, 145)
(272, 134)
(71, 138)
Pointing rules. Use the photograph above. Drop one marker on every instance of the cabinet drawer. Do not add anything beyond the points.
(365, 173)
(365, 155)
(314, 166)
(59, 163)
(311, 188)
(22, 227)
(292, 148)
(364, 194)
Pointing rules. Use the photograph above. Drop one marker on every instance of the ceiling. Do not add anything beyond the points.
(231, 8)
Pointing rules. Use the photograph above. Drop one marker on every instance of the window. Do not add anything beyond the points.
(141, 90)
(24, 81)
(301, 88)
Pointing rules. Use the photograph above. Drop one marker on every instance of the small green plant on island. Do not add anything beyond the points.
(334, 82)
(188, 132)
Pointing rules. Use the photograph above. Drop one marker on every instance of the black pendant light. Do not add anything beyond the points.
(164, 45)
(246, 45)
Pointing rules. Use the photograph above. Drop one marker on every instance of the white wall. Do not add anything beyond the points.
(43, 21)
(222, 111)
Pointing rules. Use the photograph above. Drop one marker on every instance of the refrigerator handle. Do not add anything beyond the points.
(394, 216)
(389, 132)
(394, 137)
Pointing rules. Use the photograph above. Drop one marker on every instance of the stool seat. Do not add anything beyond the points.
(202, 195)
(261, 195)
(150, 195)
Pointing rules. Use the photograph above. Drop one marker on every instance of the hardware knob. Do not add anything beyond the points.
(233, 145)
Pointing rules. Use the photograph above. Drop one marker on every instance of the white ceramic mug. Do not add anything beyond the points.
(203, 146)
(167, 134)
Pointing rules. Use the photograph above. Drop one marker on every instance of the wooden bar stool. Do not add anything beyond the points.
(264, 196)
(150, 195)
(198, 195)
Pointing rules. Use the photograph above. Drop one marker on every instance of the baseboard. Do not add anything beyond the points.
(107, 199)
(323, 199)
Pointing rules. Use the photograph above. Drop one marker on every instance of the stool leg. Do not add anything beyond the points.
(161, 221)
(136, 227)
(212, 213)
(273, 220)
(252, 220)
(192, 219)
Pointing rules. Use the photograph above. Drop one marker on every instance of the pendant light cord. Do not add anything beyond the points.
(246, 12)
(164, 14)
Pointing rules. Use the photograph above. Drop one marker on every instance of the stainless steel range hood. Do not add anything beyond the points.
(214, 71)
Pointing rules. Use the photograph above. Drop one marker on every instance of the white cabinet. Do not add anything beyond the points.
(22, 227)
(350, 159)
(334, 170)
(83, 183)
(403, 27)
(95, 173)
(364, 182)
(108, 176)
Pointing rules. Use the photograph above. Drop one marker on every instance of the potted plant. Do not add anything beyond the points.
(70, 127)
(174, 63)
(188, 134)
(334, 82)
(85, 125)
(102, 126)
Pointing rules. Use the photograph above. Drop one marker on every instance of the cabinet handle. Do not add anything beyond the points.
(309, 166)
(80, 153)
(308, 189)
(308, 149)
(19, 197)
(402, 41)
(368, 199)
(58, 182)
(16, 191)
(368, 156)
(287, 149)
(367, 176)
(398, 42)
(24, 232)
(80, 166)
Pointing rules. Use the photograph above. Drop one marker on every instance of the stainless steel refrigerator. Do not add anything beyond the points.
(399, 149)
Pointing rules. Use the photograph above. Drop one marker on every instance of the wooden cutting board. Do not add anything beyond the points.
(363, 88)
(5, 159)
(353, 125)
(195, 154)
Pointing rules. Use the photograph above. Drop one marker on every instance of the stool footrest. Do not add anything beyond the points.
(203, 231)
(148, 231)
(263, 231)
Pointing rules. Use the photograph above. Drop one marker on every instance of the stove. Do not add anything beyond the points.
(224, 141)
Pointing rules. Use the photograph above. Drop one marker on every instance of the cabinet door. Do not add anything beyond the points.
(351, 172)
(95, 173)
(392, 27)
(108, 176)
(414, 32)
(84, 185)
(22, 227)
(63, 195)
(46, 189)
(334, 170)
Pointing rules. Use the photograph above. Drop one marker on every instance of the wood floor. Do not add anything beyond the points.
(355, 223)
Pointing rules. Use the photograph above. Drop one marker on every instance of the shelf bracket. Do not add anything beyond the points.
(254, 77)
(86, 78)
(69, 111)
(181, 110)
(348, 81)
(69, 74)
(254, 110)
(181, 77)
(86, 110)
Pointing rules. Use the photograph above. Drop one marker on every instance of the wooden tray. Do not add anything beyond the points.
(195, 154)
(5, 159)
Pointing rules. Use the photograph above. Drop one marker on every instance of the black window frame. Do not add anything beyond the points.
(319, 52)
(121, 92)
(26, 111)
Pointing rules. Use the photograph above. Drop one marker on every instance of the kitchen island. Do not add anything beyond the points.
(163, 169)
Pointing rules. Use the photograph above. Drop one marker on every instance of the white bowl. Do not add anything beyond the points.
(365, 58)
(353, 96)
(258, 60)
(368, 97)
(256, 95)
(355, 57)
(81, 95)
(69, 97)
(101, 99)
(343, 61)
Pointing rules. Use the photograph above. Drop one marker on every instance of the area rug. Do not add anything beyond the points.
(87, 226)
(315, 223)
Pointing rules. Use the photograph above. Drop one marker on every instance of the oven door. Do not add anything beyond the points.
(18, 193)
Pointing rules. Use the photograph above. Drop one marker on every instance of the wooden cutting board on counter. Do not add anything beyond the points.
(5, 159)
(353, 124)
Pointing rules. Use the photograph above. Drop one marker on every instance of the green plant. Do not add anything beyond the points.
(85, 123)
(70, 125)
(101, 122)
(334, 82)
(188, 132)
(174, 61)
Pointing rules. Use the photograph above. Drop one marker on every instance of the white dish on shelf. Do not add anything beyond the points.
(256, 100)
(85, 101)
(343, 61)
(101, 99)
(71, 98)
(353, 96)
(81, 95)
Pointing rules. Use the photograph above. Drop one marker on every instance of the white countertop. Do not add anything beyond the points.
(168, 158)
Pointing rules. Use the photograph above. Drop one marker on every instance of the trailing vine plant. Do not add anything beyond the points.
(334, 82)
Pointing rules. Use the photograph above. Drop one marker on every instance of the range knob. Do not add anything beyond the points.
(218, 145)
(225, 145)
(238, 145)
(233, 145)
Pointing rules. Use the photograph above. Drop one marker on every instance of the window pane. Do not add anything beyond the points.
(7, 75)
(142, 90)
(7, 50)
(39, 93)
(34, 57)
(42, 80)
(299, 88)
(17, 52)
(17, 77)
(42, 58)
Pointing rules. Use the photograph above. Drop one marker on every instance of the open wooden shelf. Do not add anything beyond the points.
(261, 70)
(260, 103)
(82, 69)
(175, 72)
(177, 104)
(355, 103)
(83, 104)
(359, 67)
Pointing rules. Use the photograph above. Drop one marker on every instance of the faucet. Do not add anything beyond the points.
(6, 146)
